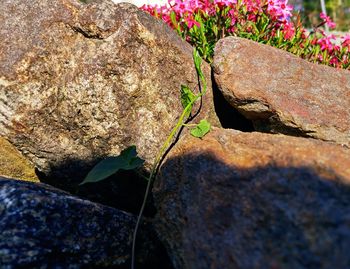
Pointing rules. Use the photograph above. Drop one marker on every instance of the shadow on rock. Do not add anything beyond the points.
(123, 190)
(42, 227)
(215, 215)
(228, 116)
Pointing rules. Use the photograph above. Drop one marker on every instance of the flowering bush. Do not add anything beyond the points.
(203, 22)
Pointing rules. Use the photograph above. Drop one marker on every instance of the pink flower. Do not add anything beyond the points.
(225, 2)
(280, 9)
(327, 20)
(232, 15)
(326, 43)
(252, 17)
(334, 61)
(191, 22)
(288, 30)
(346, 41)
(182, 7)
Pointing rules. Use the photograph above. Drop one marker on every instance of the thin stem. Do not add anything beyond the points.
(189, 125)
(161, 152)
(151, 176)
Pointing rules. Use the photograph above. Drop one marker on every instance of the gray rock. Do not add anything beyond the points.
(42, 227)
(282, 93)
(82, 81)
(253, 200)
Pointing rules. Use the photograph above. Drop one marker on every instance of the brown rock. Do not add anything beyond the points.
(13, 164)
(81, 81)
(253, 200)
(282, 93)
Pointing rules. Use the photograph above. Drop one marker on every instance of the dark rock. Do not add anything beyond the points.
(42, 227)
(253, 200)
(283, 93)
(82, 81)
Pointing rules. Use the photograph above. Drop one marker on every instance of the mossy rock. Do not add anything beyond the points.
(13, 164)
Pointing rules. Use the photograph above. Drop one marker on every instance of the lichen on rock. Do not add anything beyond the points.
(13, 164)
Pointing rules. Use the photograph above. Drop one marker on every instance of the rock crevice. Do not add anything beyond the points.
(285, 94)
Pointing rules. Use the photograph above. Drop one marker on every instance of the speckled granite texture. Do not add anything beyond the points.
(42, 227)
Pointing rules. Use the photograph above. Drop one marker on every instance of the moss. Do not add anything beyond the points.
(13, 164)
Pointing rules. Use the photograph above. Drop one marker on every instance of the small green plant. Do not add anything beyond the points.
(128, 159)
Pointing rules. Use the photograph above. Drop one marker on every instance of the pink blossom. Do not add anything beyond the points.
(191, 22)
(288, 30)
(225, 2)
(234, 17)
(334, 61)
(280, 9)
(326, 43)
(182, 7)
(252, 17)
(346, 41)
(327, 20)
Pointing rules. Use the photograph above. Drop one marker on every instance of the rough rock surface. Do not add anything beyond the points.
(42, 227)
(283, 93)
(13, 164)
(81, 81)
(253, 200)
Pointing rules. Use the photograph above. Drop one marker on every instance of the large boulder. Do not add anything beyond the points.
(283, 93)
(79, 81)
(42, 227)
(253, 200)
(13, 164)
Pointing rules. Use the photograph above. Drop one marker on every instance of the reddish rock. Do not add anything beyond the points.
(283, 93)
(81, 81)
(253, 200)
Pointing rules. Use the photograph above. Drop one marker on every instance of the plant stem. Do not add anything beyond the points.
(189, 125)
(163, 149)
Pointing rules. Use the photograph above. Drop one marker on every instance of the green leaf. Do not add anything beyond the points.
(173, 19)
(197, 62)
(127, 160)
(202, 128)
(197, 59)
(187, 96)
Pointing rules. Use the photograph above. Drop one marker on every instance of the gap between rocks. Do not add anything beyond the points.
(228, 116)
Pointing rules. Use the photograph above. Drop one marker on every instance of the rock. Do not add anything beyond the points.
(42, 227)
(13, 164)
(283, 93)
(254, 200)
(81, 81)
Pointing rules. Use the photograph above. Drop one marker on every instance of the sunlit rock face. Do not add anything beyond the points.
(286, 94)
(80, 81)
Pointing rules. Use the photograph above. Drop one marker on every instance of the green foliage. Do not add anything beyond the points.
(202, 128)
(127, 160)
(187, 97)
